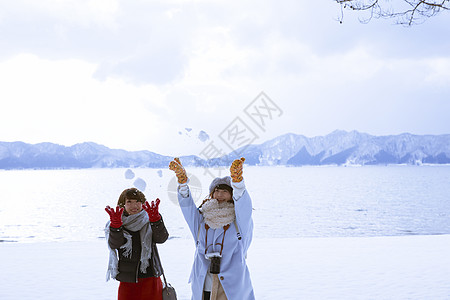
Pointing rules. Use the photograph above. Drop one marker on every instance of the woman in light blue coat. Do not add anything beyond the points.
(222, 228)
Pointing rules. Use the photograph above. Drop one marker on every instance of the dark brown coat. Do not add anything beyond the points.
(129, 266)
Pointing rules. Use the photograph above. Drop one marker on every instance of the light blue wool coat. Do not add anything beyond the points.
(234, 274)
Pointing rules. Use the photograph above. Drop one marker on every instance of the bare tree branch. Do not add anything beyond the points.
(407, 12)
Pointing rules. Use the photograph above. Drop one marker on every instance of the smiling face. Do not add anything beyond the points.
(132, 206)
(222, 195)
(132, 200)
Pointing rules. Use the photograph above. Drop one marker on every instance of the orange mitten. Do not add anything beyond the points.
(236, 170)
(175, 165)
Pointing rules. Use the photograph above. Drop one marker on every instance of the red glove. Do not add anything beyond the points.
(115, 216)
(152, 210)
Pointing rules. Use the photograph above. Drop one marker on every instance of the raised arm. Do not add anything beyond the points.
(188, 207)
(242, 200)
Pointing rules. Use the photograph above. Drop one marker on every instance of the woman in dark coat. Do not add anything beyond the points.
(134, 229)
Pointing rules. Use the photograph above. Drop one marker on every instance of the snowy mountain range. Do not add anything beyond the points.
(337, 148)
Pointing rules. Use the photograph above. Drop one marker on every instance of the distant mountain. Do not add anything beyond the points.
(348, 148)
(337, 148)
(355, 148)
(19, 155)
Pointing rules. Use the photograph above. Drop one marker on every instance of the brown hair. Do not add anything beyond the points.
(132, 193)
(219, 187)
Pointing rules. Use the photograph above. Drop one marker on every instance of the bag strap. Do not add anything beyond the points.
(165, 281)
(162, 269)
(238, 234)
(237, 230)
(198, 233)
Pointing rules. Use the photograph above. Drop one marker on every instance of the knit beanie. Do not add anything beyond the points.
(223, 183)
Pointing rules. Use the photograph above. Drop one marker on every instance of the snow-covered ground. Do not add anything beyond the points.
(320, 232)
(404, 267)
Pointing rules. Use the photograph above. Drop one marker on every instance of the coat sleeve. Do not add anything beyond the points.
(116, 238)
(243, 209)
(190, 212)
(160, 234)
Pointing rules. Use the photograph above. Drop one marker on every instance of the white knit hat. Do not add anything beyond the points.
(218, 181)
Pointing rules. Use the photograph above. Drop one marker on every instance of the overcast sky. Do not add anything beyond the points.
(151, 75)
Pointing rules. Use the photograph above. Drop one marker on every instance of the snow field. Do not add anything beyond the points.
(403, 267)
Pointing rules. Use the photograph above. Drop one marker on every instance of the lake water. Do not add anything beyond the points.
(53, 205)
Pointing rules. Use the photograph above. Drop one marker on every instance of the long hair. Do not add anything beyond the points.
(219, 187)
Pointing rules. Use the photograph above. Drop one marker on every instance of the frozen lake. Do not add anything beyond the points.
(68, 205)
(323, 232)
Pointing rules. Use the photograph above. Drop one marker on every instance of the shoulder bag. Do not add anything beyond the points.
(168, 292)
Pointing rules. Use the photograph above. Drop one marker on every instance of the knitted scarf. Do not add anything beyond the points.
(138, 222)
(217, 214)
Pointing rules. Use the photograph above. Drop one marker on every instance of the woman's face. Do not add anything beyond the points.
(222, 195)
(133, 206)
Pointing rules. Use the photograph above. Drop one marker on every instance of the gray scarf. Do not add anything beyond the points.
(138, 222)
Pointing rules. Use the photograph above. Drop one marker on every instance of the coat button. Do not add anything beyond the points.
(221, 278)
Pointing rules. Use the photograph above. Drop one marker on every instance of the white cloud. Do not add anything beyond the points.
(84, 13)
(59, 101)
(144, 70)
(438, 71)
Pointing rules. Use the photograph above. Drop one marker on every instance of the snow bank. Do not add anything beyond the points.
(406, 267)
